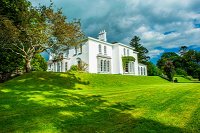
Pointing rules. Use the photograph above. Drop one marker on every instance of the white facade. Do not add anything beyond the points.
(101, 57)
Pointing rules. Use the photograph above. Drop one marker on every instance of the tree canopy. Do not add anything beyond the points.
(142, 51)
(186, 63)
(27, 31)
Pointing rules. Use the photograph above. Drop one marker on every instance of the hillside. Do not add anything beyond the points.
(61, 102)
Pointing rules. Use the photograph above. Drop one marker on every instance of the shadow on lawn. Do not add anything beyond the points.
(53, 108)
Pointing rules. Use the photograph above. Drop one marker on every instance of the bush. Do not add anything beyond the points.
(82, 66)
(38, 63)
(73, 68)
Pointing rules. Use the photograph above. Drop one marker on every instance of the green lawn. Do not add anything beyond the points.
(97, 103)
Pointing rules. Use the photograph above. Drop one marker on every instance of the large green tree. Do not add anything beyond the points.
(169, 70)
(33, 30)
(142, 51)
(9, 62)
(167, 56)
(152, 70)
(187, 63)
(192, 62)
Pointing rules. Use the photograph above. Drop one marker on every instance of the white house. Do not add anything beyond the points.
(101, 57)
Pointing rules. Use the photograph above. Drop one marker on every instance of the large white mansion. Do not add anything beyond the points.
(101, 57)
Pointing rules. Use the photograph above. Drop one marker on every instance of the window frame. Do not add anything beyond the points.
(100, 49)
(105, 50)
(124, 52)
(101, 65)
(75, 50)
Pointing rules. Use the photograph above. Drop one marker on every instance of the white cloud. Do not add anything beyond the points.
(154, 53)
(148, 19)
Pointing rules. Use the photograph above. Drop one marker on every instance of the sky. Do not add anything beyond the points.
(162, 25)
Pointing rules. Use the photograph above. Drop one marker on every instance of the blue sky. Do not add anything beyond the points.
(162, 25)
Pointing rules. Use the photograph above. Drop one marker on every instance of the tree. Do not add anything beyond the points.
(152, 70)
(183, 50)
(38, 63)
(198, 73)
(36, 30)
(9, 62)
(142, 51)
(191, 62)
(169, 70)
(167, 56)
(185, 64)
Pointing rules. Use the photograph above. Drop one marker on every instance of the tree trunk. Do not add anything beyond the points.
(28, 66)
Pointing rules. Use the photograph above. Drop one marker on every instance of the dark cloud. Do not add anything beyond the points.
(122, 19)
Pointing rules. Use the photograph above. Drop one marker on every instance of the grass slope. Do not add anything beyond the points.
(60, 102)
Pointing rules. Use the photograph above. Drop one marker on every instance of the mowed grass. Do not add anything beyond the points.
(81, 102)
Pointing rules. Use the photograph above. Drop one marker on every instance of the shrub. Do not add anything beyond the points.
(38, 63)
(82, 66)
(73, 68)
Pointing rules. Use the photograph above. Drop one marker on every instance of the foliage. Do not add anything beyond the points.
(168, 56)
(9, 62)
(198, 73)
(180, 71)
(126, 59)
(38, 63)
(33, 30)
(142, 57)
(169, 70)
(152, 70)
(183, 50)
(81, 67)
(73, 68)
(65, 102)
(187, 63)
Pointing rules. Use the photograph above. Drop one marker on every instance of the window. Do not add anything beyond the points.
(130, 67)
(67, 53)
(99, 48)
(58, 67)
(75, 50)
(133, 68)
(127, 52)
(54, 67)
(124, 51)
(144, 71)
(66, 66)
(101, 66)
(141, 71)
(108, 66)
(126, 67)
(61, 66)
(105, 50)
(81, 49)
(104, 65)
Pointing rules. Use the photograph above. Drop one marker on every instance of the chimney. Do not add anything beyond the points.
(102, 36)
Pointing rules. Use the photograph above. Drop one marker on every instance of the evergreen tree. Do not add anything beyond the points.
(142, 55)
